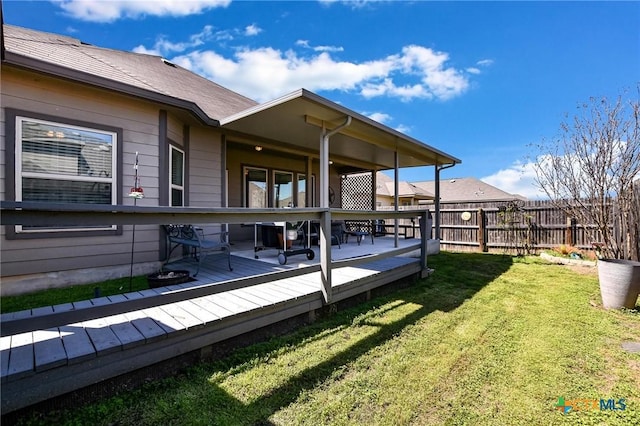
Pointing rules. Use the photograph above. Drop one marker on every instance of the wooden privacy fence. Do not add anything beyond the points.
(517, 227)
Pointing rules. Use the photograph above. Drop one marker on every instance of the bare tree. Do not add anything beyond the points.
(592, 172)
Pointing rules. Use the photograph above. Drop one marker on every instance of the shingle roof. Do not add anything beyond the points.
(466, 189)
(386, 187)
(146, 73)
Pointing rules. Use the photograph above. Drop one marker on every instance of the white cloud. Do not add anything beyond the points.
(354, 4)
(164, 47)
(485, 62)
(473, 70)
(385, 119)
(403, 129)
(109, 11)
(437, 80)
(518, 178)
(306, 45)
(380, 117)
(265, 73)
(252, 30)
(146, 51)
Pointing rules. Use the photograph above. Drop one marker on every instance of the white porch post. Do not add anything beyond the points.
(325, 217)
(396, 197)
(424, 268)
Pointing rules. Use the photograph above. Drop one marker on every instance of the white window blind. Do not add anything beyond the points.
(60, 163)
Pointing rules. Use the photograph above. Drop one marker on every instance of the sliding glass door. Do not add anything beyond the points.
(275, 188)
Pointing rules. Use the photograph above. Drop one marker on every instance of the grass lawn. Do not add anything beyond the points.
(488, 339)
(72, 294)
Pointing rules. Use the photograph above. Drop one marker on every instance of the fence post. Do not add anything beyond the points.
(568, 237)
(482, 230)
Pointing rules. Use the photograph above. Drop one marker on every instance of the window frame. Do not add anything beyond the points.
(173, 186)
(300, 190)
(293, 185)
(245, 187)
(14, 173)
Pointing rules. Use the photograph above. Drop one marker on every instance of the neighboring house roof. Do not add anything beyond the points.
(143, 75)
(466, 190)
(386, 187)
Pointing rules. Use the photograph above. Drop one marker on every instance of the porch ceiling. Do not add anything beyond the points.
(296, 120)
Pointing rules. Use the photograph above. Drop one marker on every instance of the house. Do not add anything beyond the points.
(409, 194)
(75, 118)
(469, 189)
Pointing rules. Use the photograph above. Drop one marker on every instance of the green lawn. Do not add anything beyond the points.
(72, 294)
(487, 339)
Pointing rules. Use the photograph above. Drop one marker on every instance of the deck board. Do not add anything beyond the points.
(233, 302)
(187, 319)
(82, 304)
(21, 361)
(48, 349)
(5, 350)
(218, 309)
(63, 307)
(77, 343)
(168, 323)
(126, 332)
(146, 326)
(41, 311)
(118, 298)
(203, 315)
(101, 335)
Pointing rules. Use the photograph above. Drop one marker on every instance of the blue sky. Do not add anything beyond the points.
(479, 80)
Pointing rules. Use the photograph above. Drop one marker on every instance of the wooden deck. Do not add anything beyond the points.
(39, 364)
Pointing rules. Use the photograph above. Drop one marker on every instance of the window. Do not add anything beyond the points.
(302, 190)
(177, 176)
(282, 189)
(255, 187)
(62, 163)
(275, 188)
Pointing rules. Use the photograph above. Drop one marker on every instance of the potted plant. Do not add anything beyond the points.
(619, 281)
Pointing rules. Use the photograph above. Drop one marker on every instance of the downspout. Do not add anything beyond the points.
(325, 219)
(439, 168)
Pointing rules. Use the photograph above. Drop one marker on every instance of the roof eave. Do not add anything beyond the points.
(403, 142)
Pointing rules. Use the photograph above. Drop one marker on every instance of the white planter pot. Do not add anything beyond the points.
(619, 283)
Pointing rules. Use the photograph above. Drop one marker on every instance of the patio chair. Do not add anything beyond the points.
(337, 232)
(307, 234)
(193, 239)
(358, 229)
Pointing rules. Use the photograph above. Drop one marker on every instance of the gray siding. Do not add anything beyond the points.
(139, 123)
(205, 171)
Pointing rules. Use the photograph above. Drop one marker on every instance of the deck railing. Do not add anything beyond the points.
(46, 214)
